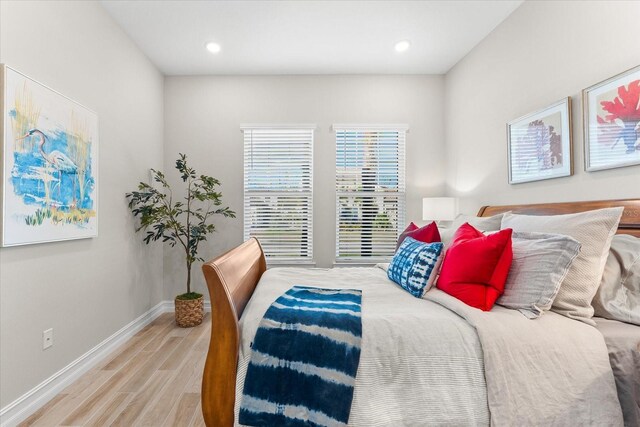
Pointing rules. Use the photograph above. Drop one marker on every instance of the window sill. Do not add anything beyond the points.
(360, 263)
(291, 263)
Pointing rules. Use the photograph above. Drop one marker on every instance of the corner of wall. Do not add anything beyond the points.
(84, 289)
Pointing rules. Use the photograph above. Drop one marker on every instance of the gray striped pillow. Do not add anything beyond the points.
(540, 264)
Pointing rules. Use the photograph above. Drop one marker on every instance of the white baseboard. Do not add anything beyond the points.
(21, 408)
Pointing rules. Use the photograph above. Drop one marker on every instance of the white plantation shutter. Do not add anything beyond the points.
(278, 191)
(370, 191)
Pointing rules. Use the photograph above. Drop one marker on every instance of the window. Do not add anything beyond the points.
(278, 191)
(370, 191)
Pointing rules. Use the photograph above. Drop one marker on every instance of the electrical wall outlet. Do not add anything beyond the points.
(47, 338)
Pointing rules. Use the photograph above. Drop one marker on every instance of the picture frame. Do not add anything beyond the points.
(49, 164)
(540, 144)
(611, 120)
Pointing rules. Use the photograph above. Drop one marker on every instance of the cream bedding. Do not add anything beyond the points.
(551, 371)
(623, 342)
(424, 364)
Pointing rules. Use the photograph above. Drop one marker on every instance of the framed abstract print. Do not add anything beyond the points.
(612, 122)
(49, 164)
(539, 144)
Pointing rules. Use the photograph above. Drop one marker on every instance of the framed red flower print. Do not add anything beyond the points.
(612, 122)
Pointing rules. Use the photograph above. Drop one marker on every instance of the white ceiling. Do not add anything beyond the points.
(307, 37)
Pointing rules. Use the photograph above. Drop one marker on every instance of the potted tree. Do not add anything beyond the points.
(184, 222)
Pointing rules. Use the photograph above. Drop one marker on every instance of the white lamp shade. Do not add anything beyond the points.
(439, 208)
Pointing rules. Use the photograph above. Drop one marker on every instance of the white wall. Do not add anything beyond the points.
(84, 289)
(203, 117)
(544, 51)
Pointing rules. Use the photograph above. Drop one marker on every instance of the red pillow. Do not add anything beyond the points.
(427, 234)
(476, 266)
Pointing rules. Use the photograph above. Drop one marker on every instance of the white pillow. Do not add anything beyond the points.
(489, 223)
(618, 296)
(594, 230)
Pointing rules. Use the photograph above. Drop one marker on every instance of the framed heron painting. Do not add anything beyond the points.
(612, 122)
(49, 164)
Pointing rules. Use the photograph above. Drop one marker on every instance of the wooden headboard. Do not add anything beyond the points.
(629, 224)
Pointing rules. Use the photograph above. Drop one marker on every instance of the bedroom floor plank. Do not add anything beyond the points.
(195, 384)
(198, 419)
(140, 400)
(168, 398)
(55, 415)
(90, 377)
(110, 410)
(138, 342)
(171, 393)
(97, 399)
(184, 412)
(42, 411)
(153, 379)
(165, 333)
(177, 357)
(139, 379)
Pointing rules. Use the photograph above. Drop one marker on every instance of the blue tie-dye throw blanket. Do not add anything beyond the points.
(304, 360)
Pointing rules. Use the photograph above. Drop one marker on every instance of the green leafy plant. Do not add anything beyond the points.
(184, 222)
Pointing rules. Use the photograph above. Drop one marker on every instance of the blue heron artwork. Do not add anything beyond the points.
(49, 164)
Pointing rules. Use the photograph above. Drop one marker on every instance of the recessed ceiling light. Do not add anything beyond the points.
(213, 47)
(402, 46)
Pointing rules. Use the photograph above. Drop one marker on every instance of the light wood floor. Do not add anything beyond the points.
(152, 380)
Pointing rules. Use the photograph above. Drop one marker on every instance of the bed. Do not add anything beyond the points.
(428, 373)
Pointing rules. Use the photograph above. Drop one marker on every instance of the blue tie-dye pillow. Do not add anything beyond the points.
(415, 266)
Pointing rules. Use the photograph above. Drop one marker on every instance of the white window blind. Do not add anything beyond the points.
(370, 191)
(278, 191)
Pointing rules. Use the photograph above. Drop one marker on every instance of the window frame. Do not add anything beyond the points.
(402, 130)
(309, 194)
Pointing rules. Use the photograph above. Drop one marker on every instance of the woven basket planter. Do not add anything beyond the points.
(190, 312)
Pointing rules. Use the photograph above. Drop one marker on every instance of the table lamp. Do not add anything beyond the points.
(439, 208)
